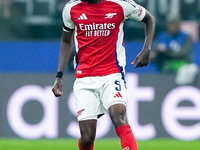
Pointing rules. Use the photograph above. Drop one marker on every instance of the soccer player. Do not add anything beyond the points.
(97, 29)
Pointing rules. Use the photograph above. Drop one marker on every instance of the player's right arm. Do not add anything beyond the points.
(65, 51)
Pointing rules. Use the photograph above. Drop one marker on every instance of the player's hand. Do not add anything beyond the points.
(57, 88)
(142, 59)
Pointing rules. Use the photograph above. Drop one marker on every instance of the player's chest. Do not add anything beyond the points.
(95, 17)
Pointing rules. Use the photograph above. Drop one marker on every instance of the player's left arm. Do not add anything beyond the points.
(142, 59)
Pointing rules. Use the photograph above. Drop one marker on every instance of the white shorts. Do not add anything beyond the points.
(95, 94)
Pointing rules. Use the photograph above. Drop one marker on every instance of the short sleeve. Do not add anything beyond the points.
(68, 24)
(134, 11)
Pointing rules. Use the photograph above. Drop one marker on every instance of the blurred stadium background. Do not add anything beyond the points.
(167, 116)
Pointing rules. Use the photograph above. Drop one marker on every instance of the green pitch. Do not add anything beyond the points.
(102, 144)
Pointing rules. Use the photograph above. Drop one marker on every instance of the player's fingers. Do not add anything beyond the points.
(60, 90)
(141, 65)
(56, 92)
(137, 65)
(134, 62)
(59, 94)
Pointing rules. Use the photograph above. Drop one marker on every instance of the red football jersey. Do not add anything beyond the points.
(98, 34)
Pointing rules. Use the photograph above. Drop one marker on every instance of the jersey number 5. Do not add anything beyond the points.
(118, 88)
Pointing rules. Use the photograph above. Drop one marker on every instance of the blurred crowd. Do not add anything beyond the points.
(41, 19)
(30, 19)
(173, 52)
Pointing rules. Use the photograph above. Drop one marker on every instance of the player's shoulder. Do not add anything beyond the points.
(71, 3)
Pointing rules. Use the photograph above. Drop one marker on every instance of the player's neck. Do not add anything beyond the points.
(93, 1)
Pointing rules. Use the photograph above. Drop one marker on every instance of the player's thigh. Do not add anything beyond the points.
(114, 92)
(88, 104)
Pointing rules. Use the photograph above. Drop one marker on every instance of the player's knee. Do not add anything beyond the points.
(88, 132)
(87, 139)
(118, 115)
(119, 120)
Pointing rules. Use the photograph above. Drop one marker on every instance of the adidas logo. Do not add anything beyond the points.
(118, 95)
(83, 17)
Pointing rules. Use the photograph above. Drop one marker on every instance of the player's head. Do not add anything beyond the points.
(173, 24)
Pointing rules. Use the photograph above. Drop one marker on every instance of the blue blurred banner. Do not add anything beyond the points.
(29, 57)
(42, 57)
